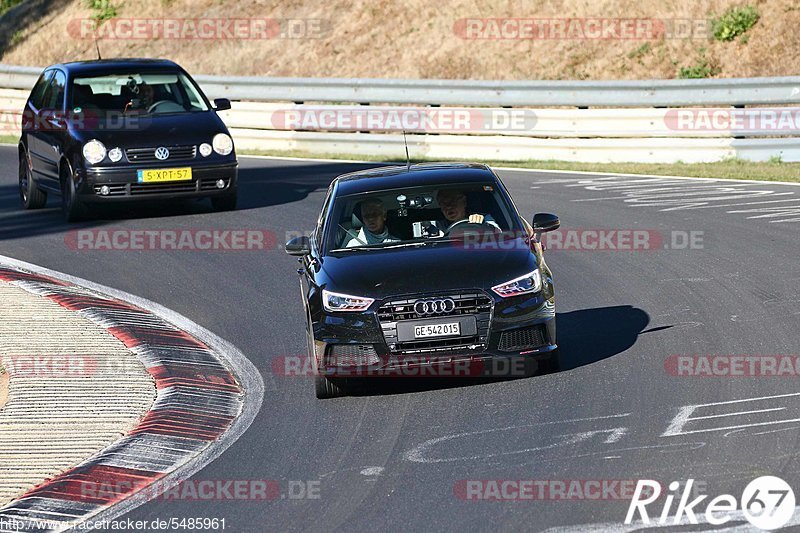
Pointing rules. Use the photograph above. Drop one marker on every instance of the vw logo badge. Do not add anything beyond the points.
(437, 306)
(162, 153)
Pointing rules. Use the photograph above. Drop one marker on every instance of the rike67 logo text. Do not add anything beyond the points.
(767, 502)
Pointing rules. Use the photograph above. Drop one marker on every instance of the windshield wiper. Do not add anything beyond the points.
(414, 244)
(403, 245)
(371, 248)
(351, 249)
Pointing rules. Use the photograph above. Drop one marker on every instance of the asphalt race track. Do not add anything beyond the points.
(399, 454)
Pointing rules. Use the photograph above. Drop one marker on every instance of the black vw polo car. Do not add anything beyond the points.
(419, 266)
(123, 129)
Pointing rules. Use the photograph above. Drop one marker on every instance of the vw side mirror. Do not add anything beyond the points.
(221, 104)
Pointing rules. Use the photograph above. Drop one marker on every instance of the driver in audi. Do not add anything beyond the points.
(453, 203)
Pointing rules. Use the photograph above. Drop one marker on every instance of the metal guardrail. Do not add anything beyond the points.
(14, 77)
(638, 93)
(506, 148)
(623, 121)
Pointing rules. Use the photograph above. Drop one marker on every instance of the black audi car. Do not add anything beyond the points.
(123, 129)
(419, 266)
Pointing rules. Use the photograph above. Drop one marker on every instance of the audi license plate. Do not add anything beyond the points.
(164, 174)
(437, 330)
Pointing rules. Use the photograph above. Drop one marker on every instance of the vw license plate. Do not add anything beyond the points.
(437, 330)
(164, 174)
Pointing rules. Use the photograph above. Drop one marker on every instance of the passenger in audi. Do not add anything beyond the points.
(374, 230)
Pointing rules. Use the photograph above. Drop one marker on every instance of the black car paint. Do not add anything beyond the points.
(417, 271)
(52, 141)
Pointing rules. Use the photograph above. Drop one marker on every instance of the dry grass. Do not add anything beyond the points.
(3, 387)
(416, 39)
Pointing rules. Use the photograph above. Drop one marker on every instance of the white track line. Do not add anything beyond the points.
(511, 169)
(534, 170)
(246, 374)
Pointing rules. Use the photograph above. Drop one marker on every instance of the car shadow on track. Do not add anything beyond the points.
(287, 183)
(259, 186)
(585, 336)
(17, 223)
(590, 335)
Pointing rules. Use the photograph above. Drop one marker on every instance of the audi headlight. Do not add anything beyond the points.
(333, 301)
(94, 151)
(531, 282)
(223, 144)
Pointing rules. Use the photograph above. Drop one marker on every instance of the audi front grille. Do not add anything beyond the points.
(477, 304)
(340, 355)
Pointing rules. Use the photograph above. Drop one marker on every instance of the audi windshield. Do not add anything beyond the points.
(416, 215)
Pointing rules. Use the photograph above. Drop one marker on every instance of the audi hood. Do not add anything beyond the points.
(379, 273)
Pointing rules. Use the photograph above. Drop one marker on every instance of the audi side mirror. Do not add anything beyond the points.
(298, 246)
(543, 222)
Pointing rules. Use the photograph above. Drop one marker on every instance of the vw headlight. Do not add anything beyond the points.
(94, 151)
(205, 149)
(333, 301)
(531, 282)
(223, 144)
(115, 154)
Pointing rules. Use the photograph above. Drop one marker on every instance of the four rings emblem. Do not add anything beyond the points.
(434, 307)
(162, 153)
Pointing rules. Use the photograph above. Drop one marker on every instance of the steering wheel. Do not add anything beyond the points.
(176, 107)
(463, 226)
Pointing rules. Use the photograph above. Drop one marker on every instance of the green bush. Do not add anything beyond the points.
(17, 38)
(702, 68)
(102, 10)
(5, 5)
(640, 51)
(734, 22)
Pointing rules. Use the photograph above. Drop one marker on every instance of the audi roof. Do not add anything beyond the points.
(392, 177)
